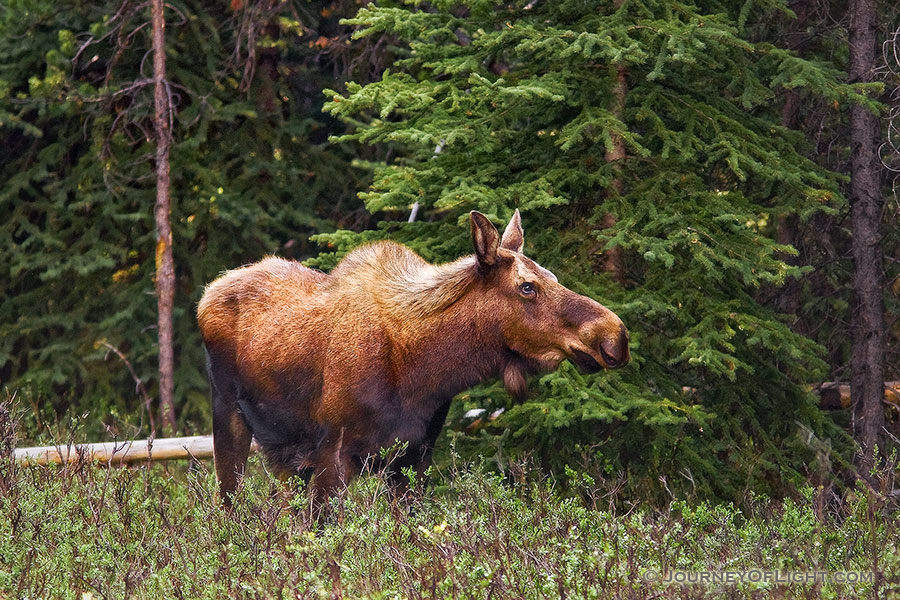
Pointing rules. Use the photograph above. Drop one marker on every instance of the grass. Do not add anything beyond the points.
(84, 532)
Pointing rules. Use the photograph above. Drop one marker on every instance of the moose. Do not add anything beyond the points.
(324, 370)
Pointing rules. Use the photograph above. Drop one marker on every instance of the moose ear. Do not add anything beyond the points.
(514, 237)
(485, 238)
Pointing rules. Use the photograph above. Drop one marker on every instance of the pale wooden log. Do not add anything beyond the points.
(199, 446)
(832, 395)
(837, 395)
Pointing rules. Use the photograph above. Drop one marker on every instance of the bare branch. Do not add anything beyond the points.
(138, 385)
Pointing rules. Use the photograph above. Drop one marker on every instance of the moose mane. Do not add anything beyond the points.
(402, 282)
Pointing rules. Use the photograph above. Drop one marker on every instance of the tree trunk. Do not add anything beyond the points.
(799, 38)
(866, 204)
(612, 261)
(788, 299)
(165, 265)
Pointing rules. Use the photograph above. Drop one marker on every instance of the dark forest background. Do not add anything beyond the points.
(687, 164)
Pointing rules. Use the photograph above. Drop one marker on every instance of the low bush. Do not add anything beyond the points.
(84, 531)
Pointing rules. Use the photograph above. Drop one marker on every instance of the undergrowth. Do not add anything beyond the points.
(84, 531)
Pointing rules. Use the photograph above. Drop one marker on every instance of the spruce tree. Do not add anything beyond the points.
(252, 174)
(496, 107)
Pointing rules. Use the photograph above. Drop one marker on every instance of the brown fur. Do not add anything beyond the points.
(325, 370)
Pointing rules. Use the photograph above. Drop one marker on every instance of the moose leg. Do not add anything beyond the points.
(231, 437)
(435, 426)
(335, 467)
(231, 445)
(420, 457)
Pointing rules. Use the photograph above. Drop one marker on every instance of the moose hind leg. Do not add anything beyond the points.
(419, 457)
(231, 436)
(231, 446)
(335, 467)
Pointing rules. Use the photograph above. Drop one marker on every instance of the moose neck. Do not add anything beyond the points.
(450, 350)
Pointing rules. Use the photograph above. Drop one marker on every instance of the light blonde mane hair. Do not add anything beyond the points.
(402, 282)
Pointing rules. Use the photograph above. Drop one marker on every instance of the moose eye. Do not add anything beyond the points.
(527, 289)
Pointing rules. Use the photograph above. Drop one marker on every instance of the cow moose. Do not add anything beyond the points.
(324, 370)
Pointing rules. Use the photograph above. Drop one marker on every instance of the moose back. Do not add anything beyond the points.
(325, 370)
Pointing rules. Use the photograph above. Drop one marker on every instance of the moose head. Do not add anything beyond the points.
(542, 321)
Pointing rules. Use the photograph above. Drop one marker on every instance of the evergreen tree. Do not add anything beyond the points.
(252, 174)
(496, 107)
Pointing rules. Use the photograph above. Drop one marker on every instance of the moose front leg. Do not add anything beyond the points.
(435, 426)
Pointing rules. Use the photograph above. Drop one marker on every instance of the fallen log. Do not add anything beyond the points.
(833, 395)
(836, 395)
(116, 453)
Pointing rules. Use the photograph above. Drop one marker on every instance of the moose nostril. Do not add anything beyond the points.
(614, 352)
(608, 358)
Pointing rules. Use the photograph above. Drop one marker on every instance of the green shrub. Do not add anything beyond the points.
(84, 531)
